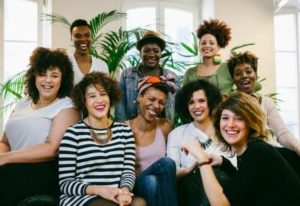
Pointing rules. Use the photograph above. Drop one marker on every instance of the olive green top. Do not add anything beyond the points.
(221, 79)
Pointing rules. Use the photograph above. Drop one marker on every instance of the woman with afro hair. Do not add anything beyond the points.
(213, 35)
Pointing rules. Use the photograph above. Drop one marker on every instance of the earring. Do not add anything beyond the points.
(217, 59)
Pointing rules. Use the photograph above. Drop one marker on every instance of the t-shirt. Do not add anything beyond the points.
(27, 126)
(97, 65)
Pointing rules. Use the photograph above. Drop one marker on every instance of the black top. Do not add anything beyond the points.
(263, 178)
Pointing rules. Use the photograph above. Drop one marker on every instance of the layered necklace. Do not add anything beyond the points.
(103, 138)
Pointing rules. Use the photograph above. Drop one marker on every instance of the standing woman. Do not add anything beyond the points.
(156, 174)
(194, 104)
(263, 177)
(29, 146)
(83, 63)
(213, 35)
(97, 155)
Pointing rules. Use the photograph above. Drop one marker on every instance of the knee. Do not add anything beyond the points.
(146, 184)
(168, 163)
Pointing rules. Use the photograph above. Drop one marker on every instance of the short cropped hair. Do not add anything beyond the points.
(184, 95)
(95, 79)
(242, 58)
(218, 29)
(43, 59)
(77, 23)
(248, 108)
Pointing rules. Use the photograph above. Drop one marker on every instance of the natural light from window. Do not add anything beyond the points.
(20, 34)
(286, 43)
(148, 20)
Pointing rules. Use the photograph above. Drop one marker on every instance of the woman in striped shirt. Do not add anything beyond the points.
(97, 155)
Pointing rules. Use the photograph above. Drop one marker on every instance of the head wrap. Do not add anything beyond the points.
(148, 81)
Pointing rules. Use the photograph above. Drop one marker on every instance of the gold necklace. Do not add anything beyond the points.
(101, 138)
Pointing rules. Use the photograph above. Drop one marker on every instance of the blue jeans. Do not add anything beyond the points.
(157, 184)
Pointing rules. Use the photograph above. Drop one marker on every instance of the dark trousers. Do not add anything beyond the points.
(20, 181)
(292, 158)
(191, 191)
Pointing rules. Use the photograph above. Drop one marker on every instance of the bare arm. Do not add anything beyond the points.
(4, 145)
(212, 187)
(49, 149)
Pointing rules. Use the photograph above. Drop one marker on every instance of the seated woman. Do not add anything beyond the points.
(97, 155)
(194, 104)
(29, 146)
(156, 174)
(243, 69)
(263, 176)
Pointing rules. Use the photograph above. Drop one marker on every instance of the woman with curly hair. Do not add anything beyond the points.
(29, 146)
(263, 177)
(97, 155)
(194, 104)
(213, 35)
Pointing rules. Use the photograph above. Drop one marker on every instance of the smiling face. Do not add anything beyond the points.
(81, 37)
(97, 102)
(234, 130)
(152, 103)
(48, 83)
(150, 54)
(198, 107)
(244, 78)
(208, 46)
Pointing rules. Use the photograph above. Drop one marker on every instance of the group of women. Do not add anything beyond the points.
(219, 156)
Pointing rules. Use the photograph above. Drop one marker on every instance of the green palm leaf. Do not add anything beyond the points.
(12, 90)
(56, 18)
(98, 22)
(116, 45)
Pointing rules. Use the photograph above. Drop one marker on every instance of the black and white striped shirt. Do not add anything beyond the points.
(83, 162)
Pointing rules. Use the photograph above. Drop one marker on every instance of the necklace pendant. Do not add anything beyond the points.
(101, 138)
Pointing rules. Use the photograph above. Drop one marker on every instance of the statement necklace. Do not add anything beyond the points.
(101, 138)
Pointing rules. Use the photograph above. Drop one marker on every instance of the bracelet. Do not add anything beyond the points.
(204, 163)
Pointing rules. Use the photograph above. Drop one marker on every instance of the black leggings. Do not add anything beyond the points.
(20, 181)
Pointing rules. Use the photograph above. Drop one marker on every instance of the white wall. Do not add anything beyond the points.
(252, 21)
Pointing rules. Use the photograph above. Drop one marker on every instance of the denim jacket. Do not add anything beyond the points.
(128, 108)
